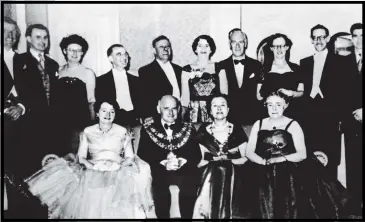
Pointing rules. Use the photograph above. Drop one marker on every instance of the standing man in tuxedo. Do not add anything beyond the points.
(243, 75)
(168, 145)
(13, 115)
(353, 121)
(119, 86)
(39, 73)
(160, 77)
(324, 89)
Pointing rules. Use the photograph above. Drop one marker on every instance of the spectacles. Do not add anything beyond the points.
(278, 47)
(318, 38)
(78, 51)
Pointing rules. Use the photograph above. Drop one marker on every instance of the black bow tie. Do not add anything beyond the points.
(172, 126)
(242, 61)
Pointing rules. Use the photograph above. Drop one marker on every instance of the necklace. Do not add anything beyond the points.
(104, 131)
(225, 143)
(275, 126)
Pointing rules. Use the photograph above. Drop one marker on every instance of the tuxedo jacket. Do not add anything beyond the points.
(244, 105)
(105, 89)
(334, 83)
(31, 87)
(155, 84)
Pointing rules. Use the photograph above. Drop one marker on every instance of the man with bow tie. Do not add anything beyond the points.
(39, 73)
(243, 74)
(353, 121)
(169, 147)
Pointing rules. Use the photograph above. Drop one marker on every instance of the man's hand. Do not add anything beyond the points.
(172, 165)
(358, 114)
(14, 112)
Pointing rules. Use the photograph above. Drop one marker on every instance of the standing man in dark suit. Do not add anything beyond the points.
(13, 116)
(38, 73)
(353, 121)
(160, 77)
(324, 79)
(119, 86)
(243, 75)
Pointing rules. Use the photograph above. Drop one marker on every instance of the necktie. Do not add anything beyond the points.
(242, 61)
(359, 63)
(45, 76)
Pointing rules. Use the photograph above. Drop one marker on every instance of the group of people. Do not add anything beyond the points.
(183, 142)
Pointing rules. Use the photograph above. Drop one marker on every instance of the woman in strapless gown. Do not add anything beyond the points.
(280, 74)
(106, 180)
(223, 147)
(200, 81)
(72, 95)
(288, 182)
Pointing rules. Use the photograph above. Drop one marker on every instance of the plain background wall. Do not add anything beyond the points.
(136, 25)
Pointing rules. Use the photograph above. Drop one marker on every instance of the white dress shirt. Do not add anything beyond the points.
(239, 69)
(8, 58)
(168, 131)
(35, 54)
(319, 60)
(170, 74)
(9, 61)
(122, 90)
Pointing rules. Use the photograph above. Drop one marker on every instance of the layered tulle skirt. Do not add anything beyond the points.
(71, 191)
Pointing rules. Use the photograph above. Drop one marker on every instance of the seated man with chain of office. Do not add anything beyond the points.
(167, 144)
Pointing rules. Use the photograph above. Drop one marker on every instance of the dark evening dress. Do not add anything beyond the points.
(288, 80)
(220, 186)
(289, 190)
(72, 115)
(201, 89)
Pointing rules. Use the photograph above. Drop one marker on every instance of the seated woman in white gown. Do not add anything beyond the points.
(105, 180)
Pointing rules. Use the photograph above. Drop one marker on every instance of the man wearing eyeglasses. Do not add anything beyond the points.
(324, 82)
(243, 74)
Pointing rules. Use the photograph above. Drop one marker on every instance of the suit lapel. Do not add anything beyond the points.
(163, 76)
(310, 68)
(326, 70)
(231, 72)
(110, 83)
(177, 74)
(8, 81)
(247, 70)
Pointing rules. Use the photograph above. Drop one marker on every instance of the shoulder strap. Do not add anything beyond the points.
(287, 126)
(260, 124)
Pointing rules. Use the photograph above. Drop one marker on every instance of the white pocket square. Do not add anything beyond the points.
(25, 66)
(252, 75)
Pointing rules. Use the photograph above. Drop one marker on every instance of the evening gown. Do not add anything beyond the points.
(201, 90)
(71, 111)
(291, 190)
(221, 186)
(287, 80)
(73, 192)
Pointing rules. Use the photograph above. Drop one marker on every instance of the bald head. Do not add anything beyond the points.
(168, 107)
